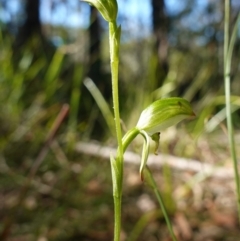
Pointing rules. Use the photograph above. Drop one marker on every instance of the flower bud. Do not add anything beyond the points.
(107, 8)
(164, 113)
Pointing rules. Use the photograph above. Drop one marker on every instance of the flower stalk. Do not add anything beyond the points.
(155, 118)
(228, 50)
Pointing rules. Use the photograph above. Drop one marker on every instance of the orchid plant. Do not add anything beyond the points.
(158, 116)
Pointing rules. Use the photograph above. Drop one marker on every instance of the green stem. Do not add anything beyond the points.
(117, 217)
(226, 33)
(227, 68)
(128, 137)
(117, 175)
(114, 60)
(150, 180)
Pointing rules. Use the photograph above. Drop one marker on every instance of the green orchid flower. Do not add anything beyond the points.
(157, 117)
(164, 113)
(107, 8)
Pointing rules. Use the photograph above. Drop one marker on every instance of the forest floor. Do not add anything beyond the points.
(71, 200)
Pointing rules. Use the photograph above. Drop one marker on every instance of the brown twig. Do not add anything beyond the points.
(204, 169)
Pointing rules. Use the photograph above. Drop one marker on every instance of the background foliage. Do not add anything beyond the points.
(177, 51)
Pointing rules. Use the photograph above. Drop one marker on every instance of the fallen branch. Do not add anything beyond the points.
(183, 164)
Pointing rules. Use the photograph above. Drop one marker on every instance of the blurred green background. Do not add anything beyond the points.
(50, 191)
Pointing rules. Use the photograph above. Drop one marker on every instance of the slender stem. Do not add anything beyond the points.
(226, 32)
(227, 68)
(150, 180)
(117, 217)
(114, 59)
(128, 137)
(117, 175)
